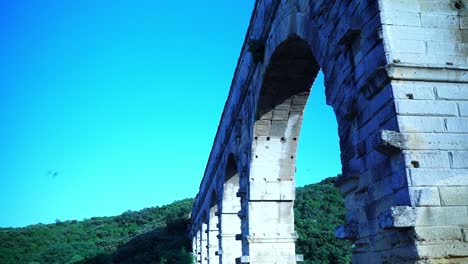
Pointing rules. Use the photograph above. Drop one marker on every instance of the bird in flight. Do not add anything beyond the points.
(53, 174)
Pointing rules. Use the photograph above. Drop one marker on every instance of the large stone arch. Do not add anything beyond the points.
(396, 75)
(279, 110)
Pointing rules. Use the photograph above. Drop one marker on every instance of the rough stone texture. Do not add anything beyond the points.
(396, 75)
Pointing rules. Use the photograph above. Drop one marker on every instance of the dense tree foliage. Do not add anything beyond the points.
(318, 209)
(152, 235)
(158, 235)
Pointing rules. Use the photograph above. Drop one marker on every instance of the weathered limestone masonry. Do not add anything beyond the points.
(396, 76)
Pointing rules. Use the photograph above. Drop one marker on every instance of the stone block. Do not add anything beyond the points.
(398, 217)
(278, 116)
(398, 6)
(369, 228)
(440, 21)
(374, 123)
(380, 189)
(462, 48)
(407, 45)
(348, 184)
(375, 208)
(437, 233)
(463, 22)
(421, 124)
(438, 177)
(433, 141)
(367, 109)
(278, 128)
(347, 231)
(365, 180)
(393, 32)
(460, 159)
(454, 195)
(428, 59)
(424, 196)
(385, 240)
(448, 250)
(442, 48)
(406, 216)
(426, 108)
(426, 159)
(463, 109)
(464, 39)
(405, 18)
(457, 125)
(437, 7)
(262, 130)
(439, 216)
(404, 71)
(367, 257)
(390, 142)
(413, 90)
(451, 91)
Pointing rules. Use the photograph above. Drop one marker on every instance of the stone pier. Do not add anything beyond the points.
(396, 76)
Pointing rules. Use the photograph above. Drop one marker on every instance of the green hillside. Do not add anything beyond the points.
(158, 234)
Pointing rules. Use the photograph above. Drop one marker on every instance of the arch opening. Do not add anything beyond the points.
(285, 90)
(286, 84)
(318, 150)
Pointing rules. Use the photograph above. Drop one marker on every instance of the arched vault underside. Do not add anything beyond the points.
(396, 75)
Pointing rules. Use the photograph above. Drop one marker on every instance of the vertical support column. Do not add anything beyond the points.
(406, 177)
(198, 247)
(213, 240)
(230, 239)
(204, 244)
(270, 215)
(271, 237)
(271, 194)
(194, 248)
(231, 247)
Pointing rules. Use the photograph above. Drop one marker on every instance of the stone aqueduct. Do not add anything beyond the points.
(396, 75)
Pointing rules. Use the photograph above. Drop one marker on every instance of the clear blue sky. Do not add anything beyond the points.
(112, 105)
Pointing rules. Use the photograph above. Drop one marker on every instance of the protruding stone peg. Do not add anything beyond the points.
(390, 142)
